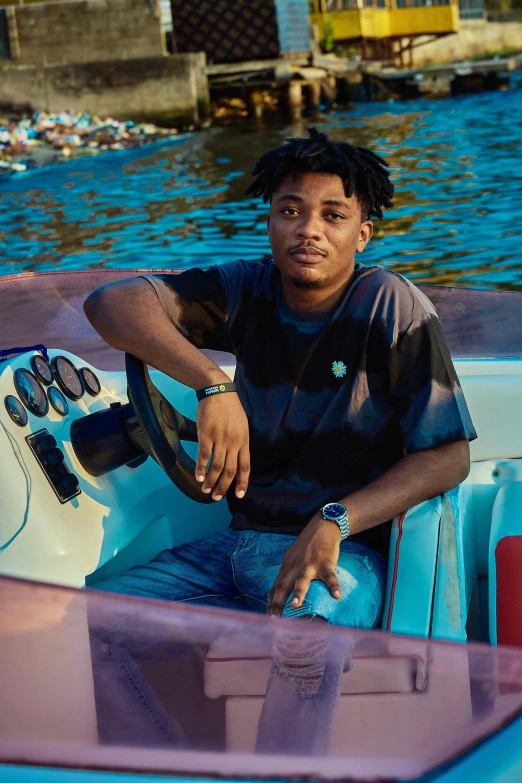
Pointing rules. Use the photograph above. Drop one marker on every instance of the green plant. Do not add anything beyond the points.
(491, 53)
(345, 51)
(327, 41)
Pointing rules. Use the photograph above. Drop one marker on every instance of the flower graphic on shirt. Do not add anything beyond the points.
(339, 369)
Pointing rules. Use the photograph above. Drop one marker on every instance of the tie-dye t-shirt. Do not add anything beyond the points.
(333, 399)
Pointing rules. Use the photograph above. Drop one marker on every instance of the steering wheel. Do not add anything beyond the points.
(162, 430)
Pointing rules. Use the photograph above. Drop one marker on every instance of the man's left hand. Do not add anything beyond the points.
(313, 555)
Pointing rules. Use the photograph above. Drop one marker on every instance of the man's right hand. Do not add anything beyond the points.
(223, 435)
(122, 313)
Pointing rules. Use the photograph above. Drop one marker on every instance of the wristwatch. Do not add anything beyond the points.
(336, 512)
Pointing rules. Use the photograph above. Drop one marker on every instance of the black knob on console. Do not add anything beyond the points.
(47, 442)
(53, 457)
(69, 485)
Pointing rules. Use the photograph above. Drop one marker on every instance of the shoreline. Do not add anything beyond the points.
(41, 139)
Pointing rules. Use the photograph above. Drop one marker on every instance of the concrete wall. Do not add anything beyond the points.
(88, 31)
(168, 91)
(475, 37)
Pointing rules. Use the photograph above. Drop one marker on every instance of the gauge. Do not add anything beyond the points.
(58, 401)
(16, 410)
(90, 381)
(68, 378)
(42, 369)
(31, 392)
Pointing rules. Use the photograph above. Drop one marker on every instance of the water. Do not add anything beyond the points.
(456, 164)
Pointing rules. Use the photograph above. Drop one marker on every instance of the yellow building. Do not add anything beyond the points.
(385, 29)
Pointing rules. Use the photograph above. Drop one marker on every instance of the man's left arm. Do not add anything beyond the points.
(416, 477)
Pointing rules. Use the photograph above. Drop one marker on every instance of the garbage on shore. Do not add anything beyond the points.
(31, 141)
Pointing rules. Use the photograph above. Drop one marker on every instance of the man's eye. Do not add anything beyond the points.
(335, 215)
(289, 211)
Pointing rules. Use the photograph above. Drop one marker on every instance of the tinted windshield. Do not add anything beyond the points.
(363, 705)
(48, 308)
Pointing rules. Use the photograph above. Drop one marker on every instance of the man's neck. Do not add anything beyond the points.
(313, 300)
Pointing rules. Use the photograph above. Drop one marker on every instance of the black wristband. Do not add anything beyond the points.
(219, 388)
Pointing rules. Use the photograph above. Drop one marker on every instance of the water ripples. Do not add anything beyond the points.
(456, 164)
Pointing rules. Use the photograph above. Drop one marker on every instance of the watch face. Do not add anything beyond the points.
(334, 511)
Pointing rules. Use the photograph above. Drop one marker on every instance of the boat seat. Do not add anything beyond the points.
(505, 566)
(432, 568)
(480, 525)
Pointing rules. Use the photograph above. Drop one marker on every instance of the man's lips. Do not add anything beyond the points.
(306, 254)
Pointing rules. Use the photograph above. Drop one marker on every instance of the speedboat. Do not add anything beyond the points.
(96, 456)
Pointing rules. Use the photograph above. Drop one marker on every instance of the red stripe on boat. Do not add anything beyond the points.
(395, 571)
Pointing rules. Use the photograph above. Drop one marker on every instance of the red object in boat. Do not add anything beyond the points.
(508, 558)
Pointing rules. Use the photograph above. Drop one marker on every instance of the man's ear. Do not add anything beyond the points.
(365, 234)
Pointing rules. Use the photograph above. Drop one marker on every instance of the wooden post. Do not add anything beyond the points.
(12, 32)
(410, 53)
(314, 93)
(294, 93)
(368, 87)
(256, 104)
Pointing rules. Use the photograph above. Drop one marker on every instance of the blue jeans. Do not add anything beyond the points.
(233, 570)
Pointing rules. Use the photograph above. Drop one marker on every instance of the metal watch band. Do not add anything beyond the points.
(344, 527)
(219, 388)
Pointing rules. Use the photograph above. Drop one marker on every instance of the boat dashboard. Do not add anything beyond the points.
(58, 523)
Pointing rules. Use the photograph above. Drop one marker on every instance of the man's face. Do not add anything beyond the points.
(315, 231)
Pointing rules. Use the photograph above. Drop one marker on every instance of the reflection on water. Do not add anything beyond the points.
(455, 162)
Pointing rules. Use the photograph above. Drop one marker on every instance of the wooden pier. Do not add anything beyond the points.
(293, 85)
(296, 86)
(452, 79)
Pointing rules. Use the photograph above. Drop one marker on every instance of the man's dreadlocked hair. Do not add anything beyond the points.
(361, 170)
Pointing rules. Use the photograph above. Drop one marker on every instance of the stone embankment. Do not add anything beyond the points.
(167, 91)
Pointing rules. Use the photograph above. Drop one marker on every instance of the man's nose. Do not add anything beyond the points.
(309, 227)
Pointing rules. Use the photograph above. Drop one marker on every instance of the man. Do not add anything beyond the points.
(346, 408)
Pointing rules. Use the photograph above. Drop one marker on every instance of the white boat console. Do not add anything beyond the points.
(59, 524)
